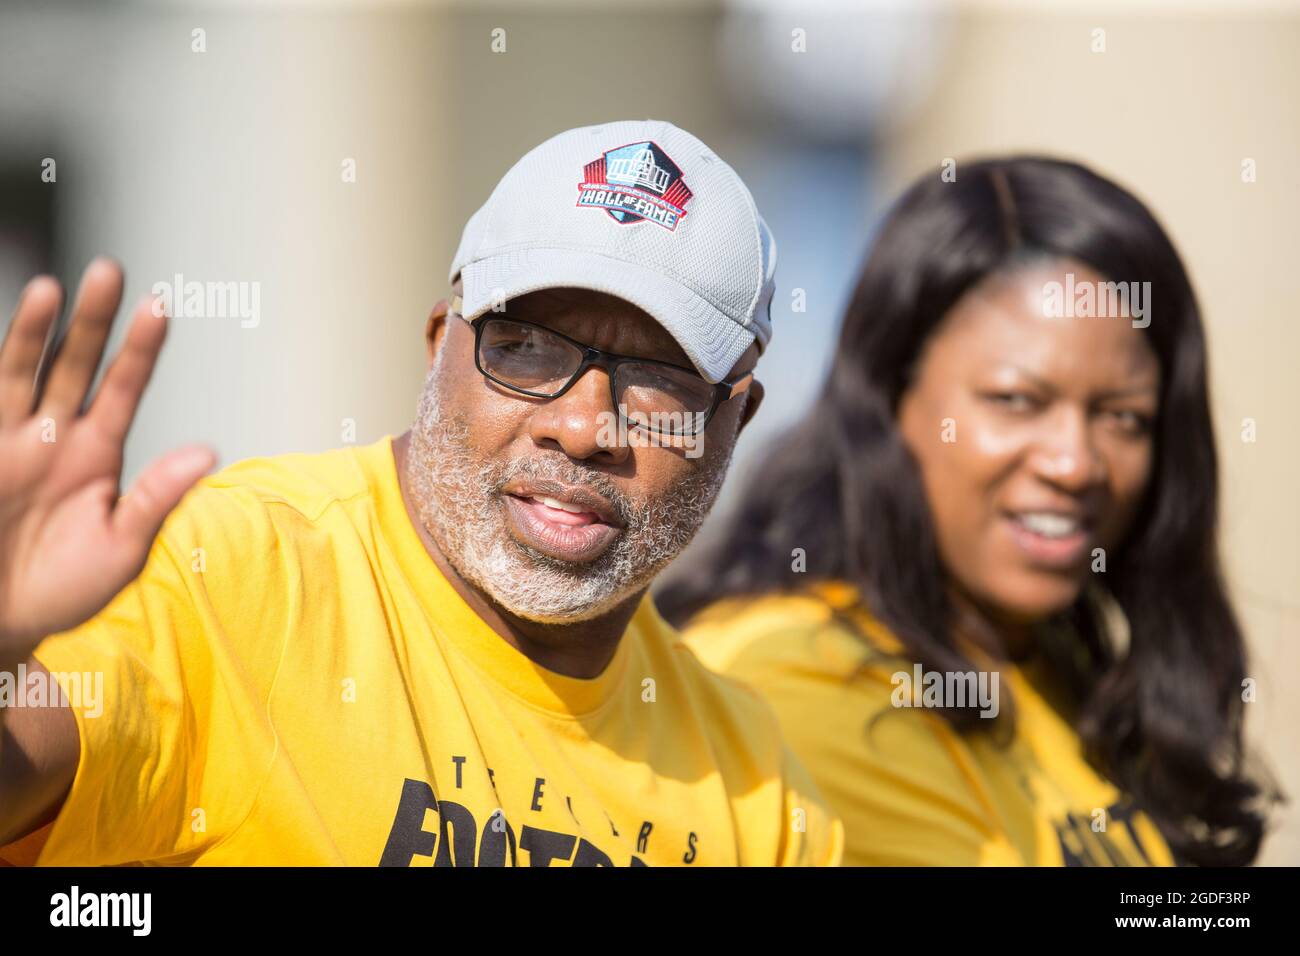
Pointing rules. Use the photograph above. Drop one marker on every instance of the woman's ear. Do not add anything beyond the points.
(753, 398)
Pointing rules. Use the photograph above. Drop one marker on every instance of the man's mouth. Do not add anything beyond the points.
(565, 513)
(570, 524)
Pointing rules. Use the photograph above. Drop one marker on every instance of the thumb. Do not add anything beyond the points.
(140, 512)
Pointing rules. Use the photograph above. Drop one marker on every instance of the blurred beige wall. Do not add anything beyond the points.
(1171, 109)
(227, 166)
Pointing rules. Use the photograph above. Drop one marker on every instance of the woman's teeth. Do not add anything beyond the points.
(1049, 525)
(559, 505)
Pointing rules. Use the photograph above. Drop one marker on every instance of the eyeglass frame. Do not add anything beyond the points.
(592, 357)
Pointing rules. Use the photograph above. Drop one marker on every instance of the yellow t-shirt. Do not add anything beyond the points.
(910, 789)
(292, 681)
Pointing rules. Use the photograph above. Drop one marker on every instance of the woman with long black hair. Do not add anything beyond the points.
(979, 580)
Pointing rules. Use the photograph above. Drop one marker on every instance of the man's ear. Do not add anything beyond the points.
(436, 328)
(753, 398)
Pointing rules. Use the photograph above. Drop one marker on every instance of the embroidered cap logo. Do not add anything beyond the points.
(635, 183)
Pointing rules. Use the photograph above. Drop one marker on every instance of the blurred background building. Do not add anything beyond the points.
(215, 141)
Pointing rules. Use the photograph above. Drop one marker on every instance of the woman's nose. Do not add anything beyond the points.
(1065, 455)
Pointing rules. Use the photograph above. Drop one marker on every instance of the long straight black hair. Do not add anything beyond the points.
(1164, 720)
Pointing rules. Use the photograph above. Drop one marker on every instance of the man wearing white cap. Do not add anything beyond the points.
(438, 649)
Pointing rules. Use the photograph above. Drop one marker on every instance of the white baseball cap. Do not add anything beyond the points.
(638, 209)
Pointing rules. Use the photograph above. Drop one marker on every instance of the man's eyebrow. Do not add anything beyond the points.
(665, 347)
(552, 299)
(676, 355)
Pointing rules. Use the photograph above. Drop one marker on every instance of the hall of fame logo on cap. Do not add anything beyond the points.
(636, 182)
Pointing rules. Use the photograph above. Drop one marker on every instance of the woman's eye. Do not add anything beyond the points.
(1134, 423)
(1012, 401)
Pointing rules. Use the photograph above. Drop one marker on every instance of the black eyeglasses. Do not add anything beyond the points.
(539, 362)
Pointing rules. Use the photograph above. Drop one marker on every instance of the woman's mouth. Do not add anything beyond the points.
(1050, 539)
(558, 528)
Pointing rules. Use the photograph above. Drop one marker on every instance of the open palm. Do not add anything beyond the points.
(68, 543)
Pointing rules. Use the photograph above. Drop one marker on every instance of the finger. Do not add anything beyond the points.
(20, 355)
(72, 368)
(140, 512)
(118, 397)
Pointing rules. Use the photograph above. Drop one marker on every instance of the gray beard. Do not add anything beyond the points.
(458, 499)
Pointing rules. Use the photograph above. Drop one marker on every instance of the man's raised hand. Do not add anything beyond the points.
(68, 543)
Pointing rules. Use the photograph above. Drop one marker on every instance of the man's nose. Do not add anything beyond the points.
(582, 422)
